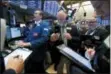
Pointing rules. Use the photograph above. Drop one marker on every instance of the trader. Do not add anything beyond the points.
(68, 35)
(36, 40)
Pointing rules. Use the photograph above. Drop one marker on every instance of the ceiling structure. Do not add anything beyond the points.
(69, 2)
(100, 6)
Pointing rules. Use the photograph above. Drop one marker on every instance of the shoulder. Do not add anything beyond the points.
(71, 25)
(44, 23)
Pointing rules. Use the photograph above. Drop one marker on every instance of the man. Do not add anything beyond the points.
(68, 35)
(97, 31)
(36, 40)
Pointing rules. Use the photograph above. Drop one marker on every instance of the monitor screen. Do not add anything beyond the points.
(34, 4)
(51, 7)
(13, 33)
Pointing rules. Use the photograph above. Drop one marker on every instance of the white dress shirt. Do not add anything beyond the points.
(38, 22)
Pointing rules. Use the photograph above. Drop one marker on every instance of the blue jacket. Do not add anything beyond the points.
(38, 35)
(26, 31)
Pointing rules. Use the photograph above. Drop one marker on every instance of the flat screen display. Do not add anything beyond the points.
(34, 4)
(51, 7)
(13, 33)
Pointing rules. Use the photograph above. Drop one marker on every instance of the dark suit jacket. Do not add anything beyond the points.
(9, 71)
(74, 43)
(101, 32)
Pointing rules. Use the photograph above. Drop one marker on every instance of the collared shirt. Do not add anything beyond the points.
(37, 22)
(91, 31)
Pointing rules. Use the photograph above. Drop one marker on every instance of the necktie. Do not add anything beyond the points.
(89, 32)
(63, 31)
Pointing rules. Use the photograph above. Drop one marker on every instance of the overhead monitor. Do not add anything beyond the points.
(34, 4)
(51, 7)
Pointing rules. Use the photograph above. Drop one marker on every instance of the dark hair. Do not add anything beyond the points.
(41, 12)
(29, 22)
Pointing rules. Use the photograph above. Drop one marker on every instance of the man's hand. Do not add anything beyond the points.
(20, 43)
(23, 44)
(15, 63)
(68, 36)
(90, 52)
(26, 44)
(54, 37)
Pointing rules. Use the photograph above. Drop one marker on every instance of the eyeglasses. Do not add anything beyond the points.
(36, 13)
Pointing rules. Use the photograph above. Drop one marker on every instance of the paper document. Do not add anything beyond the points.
(20, 51)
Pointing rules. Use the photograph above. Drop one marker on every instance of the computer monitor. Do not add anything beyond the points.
(15, 32)
(51, 7)
(12, 33)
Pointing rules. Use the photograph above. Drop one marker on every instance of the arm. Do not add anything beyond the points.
(73, 38)
(75, 34)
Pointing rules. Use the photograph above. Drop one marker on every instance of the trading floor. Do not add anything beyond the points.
(59, 36)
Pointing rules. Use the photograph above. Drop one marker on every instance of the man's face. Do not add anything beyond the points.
(92, 24)
(61, 16)
(37, 15)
